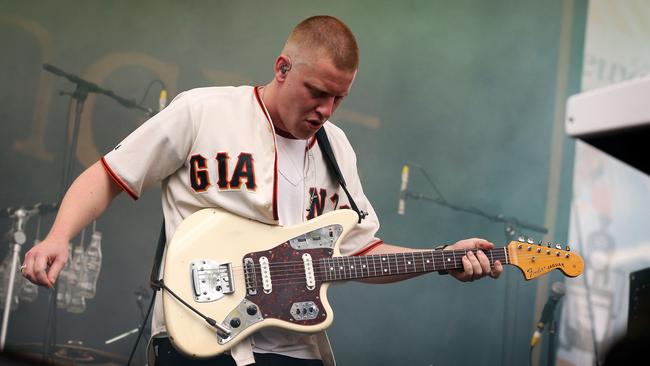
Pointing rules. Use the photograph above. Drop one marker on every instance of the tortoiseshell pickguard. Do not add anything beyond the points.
(288, 281)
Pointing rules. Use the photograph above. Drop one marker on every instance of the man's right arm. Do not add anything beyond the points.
(86, 199)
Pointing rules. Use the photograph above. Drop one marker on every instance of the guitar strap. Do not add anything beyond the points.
(157, 260)
(334, 170)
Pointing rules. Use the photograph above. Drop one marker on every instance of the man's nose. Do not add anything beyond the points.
(326, 108)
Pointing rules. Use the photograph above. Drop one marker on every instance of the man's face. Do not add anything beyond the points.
(310, 94)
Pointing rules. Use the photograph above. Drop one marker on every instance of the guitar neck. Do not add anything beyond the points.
(383, 265)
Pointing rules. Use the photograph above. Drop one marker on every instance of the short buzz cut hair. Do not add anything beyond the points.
(328, 37)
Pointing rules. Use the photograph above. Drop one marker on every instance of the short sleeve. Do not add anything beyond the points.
(154, 150)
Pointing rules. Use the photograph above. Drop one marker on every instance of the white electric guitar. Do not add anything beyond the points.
(226, 277)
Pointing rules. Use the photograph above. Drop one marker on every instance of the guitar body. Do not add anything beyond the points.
(247, 276)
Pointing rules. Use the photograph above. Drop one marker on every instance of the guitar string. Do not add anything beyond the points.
(434, 255)
(325, 277)
(322, 275)
(321, 269)
(346, 261)
(296, 272)
(392, 258)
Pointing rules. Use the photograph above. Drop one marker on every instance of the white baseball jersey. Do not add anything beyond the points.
(216, 147)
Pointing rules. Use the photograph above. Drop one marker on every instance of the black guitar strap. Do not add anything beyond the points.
(155, 269)
(334, 170)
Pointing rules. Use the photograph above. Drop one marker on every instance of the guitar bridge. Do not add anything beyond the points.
(211, 280)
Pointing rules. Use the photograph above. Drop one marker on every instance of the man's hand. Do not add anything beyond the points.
(475, 266)
(44, 262)
(88, 196)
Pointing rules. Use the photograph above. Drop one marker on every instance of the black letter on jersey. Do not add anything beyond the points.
(199, 178)
(222, 170)
(316, 203)
(244, 169)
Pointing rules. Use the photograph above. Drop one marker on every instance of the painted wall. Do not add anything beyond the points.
(470, 90)
(611, 200)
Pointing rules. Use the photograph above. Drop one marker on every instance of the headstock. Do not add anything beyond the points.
(535, 260)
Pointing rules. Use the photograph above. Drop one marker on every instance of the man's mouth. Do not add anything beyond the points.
(314, 123)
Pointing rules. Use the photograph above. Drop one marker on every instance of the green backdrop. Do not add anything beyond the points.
(467, 89)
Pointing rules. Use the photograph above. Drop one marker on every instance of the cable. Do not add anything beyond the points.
(428, 178)
(146, 92)
(144, 321)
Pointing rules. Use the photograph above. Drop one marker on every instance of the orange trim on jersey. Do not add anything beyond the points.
(116, 178)
(275, 150)
(312, 142)
(368, 248)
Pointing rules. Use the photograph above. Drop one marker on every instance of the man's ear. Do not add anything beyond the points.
(282, 67)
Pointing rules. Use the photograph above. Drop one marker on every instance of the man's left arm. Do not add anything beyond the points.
(475, 266)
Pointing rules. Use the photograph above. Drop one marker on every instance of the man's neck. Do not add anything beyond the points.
(267, 94)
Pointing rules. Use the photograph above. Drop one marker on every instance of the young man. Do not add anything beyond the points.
(250, 151)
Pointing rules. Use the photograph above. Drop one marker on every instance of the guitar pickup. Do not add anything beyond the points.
(211, 280)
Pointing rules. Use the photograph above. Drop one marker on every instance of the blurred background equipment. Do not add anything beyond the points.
(615, 119)
(71, 353)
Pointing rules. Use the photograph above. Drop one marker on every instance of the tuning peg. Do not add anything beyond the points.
(568, 249)
(558, 246)
(530, 241)
(548, 244)
(521, 239)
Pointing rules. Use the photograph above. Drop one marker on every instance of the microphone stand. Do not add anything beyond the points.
(511, 223)
(551, 341)
(79, 95)
(20, 215)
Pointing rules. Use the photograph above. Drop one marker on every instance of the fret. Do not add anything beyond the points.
(438, 259)
(453, 253)
(431, 261)
(365, 265)
(381, 264)
(424, 266)
(415, 268)
(396, 263)
(444, 261)
(491, 258)
(390, 268)
(354, 264)
(348, 267)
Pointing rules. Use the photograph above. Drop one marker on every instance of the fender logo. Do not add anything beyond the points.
(532, 272)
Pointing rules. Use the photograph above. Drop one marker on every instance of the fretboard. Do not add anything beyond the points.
(381, 265)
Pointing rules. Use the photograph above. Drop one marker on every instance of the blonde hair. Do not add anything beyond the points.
(323, 36)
